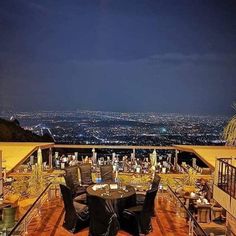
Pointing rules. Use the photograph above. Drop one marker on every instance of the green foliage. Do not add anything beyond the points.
(30, 186)
(192, 177)
(36, 181)
(21, 186)
(229, 133)
(168, 180)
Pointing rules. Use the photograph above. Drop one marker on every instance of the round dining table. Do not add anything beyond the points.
(121, 198)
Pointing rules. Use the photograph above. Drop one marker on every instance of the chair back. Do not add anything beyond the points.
(103, 219)
(73, 171)
(149, 201)
(74, 219)
(70, 183)
(9, 216)
(106, 173)
(70, 212)
(148, 210)
(156, 181)
(86, 174)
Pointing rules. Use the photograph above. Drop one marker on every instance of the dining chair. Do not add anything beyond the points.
(75, 187)
(203, 213)
(103, 219)
(73, 172)
(137, 219)
(140, 197)
(107, 173)
(76, 214)
(216, 211)
(156, 181)
(86, 174)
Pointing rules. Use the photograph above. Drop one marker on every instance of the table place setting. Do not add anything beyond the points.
(111, 191)
(203, 201)
(123, 190)
(99, 186)
(113, 186)
(105, 194)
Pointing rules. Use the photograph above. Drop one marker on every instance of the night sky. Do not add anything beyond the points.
(118, 55)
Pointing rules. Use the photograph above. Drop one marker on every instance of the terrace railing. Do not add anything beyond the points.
(194, 228)
(227, 176)
(21, 226)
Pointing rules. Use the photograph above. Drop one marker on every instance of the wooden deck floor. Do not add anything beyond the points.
(166, 222)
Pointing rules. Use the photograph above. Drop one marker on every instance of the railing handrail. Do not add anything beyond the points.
(29, 210)
(226, 177)
(188, 212)
(225, 162)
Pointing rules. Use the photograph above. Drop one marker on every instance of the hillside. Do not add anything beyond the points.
(11, 131)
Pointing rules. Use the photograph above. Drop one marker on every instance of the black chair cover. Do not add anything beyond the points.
(106, 173)
(140, 197)
(148, 210)
(73, 171)
(74, 186)
(137, 219)
(155, 185)
(156, 181)
(86, 174)
(75, 218)
(103, 219)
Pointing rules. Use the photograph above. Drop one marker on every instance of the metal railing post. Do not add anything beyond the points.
(39, 208)
(190, 229)
(49, 194)
(192, 223)
(50, 159)
(34, 209)
(25, 227)
(226, 178)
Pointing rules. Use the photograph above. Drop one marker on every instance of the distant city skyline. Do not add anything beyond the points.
(97, 127)
(17, 112)
(164, 56)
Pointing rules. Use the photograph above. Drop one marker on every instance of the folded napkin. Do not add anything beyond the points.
(113, 186)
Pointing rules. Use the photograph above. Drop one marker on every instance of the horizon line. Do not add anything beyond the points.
(131, 112)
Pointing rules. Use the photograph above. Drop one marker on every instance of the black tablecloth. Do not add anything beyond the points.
(120, 199)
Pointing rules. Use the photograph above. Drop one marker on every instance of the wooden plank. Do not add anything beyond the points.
(165, 223)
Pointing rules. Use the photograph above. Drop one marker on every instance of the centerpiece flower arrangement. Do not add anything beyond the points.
(36, 181)
(30, 186)
(189, 182)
